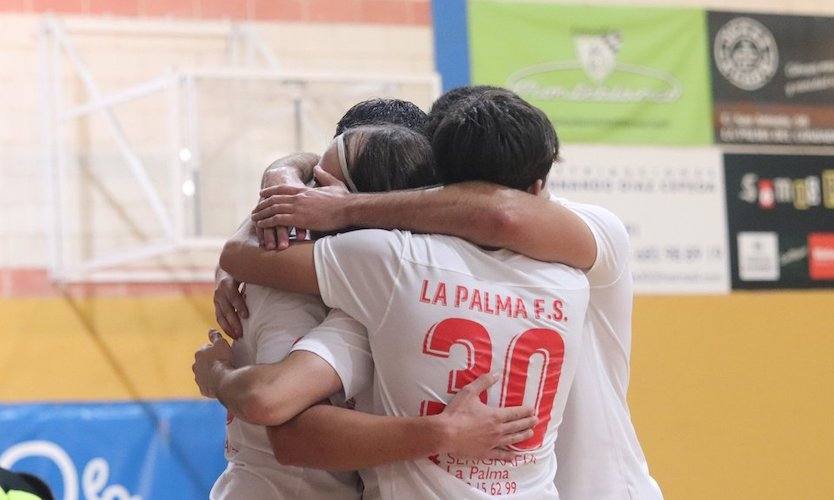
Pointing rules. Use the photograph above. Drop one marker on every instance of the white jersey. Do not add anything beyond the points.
(276, 321)
(597, 449)
(439, 313)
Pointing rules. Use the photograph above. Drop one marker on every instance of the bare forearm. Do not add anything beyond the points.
(292, 270)
(235, 253)
(463, 210)
(271, 394)
(219, 273)
(291, 169)
(485, 214)
(332, 438)
(242, 391)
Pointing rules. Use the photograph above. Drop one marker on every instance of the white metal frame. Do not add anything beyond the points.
(250, 59)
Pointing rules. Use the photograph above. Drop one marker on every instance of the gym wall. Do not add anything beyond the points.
(730, 393)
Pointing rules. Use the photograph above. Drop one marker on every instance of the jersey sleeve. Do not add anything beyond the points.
(612, 244)
(343, 343)
(357, 272)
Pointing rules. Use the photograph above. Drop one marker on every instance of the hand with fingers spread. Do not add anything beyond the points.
(229, 304)
(209, 363)
(481, 431)
(321, 209)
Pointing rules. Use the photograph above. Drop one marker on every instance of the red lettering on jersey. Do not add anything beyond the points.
(486, 304)
(536, 341)
(506, 305)
(520, 309)
(440, 294)
(461, 294)
(538, 307)
(558, 311)
(423, 295)
(476, 300)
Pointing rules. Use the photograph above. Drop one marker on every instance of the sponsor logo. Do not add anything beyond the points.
(582, 177)
(758, 256)
(93, 480)
(746, 53)
(821, 256)
(596, 76)
(803, 193)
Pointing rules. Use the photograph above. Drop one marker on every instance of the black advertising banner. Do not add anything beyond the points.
(780, 213)
(772, 78)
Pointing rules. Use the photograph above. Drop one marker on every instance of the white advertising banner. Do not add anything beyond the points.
(672, 201)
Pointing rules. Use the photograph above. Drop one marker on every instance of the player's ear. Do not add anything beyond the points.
(536, 188)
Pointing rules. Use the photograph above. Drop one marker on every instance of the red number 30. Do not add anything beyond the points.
(476, 339)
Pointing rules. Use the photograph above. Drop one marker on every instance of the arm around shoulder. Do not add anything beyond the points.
(292, 270)
(485, 214)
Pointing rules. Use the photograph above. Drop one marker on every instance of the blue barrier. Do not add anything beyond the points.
(116, 451)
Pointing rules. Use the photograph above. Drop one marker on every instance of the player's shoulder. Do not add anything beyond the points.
(497, 265)
(554, 275)
(367, 238)
(599, 215)
(608, 229)
(263, 301)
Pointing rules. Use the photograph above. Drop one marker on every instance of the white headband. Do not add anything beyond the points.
(340, 146)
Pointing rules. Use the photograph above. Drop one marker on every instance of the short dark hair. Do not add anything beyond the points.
(495, 137)
(389, 157)
(458, 94)
(381, 112)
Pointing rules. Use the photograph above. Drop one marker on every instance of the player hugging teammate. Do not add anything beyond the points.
(435, 355)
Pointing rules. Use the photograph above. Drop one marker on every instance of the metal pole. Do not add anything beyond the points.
(47, 58)
(193, 141)
(174, 96)
(125, 95)
(298, 120)
(135, 164)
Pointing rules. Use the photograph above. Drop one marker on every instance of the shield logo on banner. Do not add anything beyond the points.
(597, 54)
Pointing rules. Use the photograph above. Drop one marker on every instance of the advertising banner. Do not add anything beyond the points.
(118, 451)
(772, 78)
(616, 75)
(781, 220)
(672, 203)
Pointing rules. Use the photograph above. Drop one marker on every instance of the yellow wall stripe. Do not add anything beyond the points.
(731, 395)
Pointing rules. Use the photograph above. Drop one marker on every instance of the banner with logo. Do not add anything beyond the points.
(772, 78)
(616, 75)
(781, 220)
(117, 451)
(672, 203)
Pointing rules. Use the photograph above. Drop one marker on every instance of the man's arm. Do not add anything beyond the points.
(272, 394)
(483, 213)
(294, 169)
(332, 438)
(264, 394)
(292, 269)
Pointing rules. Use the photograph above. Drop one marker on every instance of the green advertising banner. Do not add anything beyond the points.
(615, 75)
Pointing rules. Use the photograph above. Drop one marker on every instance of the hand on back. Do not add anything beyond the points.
(481, 431)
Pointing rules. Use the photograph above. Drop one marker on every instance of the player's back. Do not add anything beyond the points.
(440, 312)
(277, 319)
